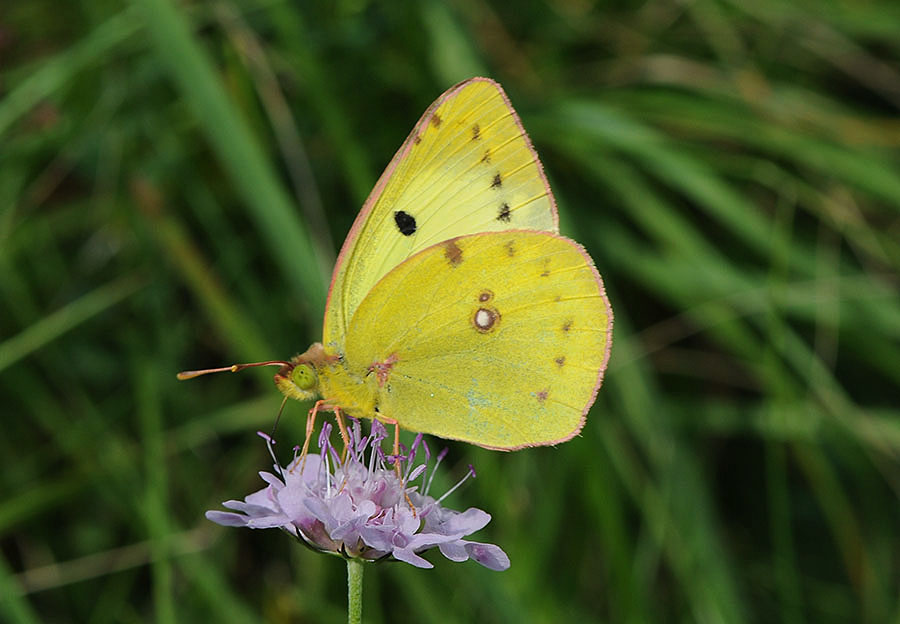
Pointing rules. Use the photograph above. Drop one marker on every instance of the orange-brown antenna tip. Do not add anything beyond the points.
(196, 373)
(232, 369)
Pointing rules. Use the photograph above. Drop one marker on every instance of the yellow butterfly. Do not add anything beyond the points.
(456, 308)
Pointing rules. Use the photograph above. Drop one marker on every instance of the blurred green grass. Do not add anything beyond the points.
(174, 180)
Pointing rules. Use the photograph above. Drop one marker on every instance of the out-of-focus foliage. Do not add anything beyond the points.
(175, 180)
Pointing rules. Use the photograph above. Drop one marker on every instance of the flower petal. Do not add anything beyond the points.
(465, 523)
(270, 522)
(488, 555)
(271, 479)
(454, 551)
(292, 501)
(404, 554)
(226, 518)
(379, 537)
(311, 470)
(250, 510)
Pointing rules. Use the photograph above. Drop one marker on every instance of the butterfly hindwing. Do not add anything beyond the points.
(499, 339)
(467, 167)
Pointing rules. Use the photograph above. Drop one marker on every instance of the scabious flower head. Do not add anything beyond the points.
(360, 508)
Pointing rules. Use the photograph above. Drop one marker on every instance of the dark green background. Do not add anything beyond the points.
(175, 180)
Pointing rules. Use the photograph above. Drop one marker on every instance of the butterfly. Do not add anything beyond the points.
(456, 308)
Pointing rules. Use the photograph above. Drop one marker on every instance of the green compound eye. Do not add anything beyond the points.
(304, 376)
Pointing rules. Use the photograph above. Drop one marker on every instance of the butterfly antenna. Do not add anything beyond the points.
(233, 369)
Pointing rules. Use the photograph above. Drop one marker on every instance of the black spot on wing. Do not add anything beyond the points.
(406, 223)
(504, 215)
(497, 182)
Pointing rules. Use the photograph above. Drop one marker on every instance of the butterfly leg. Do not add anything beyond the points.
(310, 427)
(345, 436)
(321, 404)
(391, 421)
(397, 447)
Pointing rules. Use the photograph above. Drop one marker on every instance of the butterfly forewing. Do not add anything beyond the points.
(499, 339)
(467, 167)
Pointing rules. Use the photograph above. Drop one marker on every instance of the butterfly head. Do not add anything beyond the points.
(299, 379)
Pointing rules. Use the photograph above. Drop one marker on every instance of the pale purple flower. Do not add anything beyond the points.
(359, 508)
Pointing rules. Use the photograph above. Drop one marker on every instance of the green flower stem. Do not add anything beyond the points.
(354, 591)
